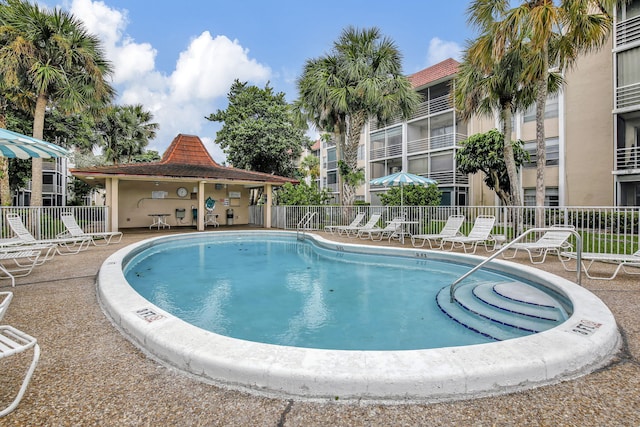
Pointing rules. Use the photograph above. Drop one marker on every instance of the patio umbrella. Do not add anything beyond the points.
(17, 145)
(400, 179)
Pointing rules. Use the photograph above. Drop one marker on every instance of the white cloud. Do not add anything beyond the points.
(439, 50)
(181, 98)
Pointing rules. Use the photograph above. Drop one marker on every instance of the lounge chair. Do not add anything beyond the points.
(71, 245)
(4, 304)
(551, 241)
(371, 224)
(74, 231)
(22, 259)
(12, 342)
(377, 233)
(451, 229)
(479, 234)
(340, 228)
(623, 262)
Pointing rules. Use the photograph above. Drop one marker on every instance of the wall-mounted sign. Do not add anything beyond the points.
(234, 194)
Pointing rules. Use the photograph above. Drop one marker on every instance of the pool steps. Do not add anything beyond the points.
(502, 310)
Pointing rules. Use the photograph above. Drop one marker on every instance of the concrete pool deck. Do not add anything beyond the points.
(90, 374)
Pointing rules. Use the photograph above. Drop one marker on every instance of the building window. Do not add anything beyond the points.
(361, 148)
(550, 109)
(628, 68)
(550, 196)
(419, 165)
(552, 152)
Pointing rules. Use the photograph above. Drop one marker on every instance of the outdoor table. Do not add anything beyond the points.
(159, 220)
(402, 231)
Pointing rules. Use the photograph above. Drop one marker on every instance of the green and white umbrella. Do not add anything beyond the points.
(400, 179)
(17, 145)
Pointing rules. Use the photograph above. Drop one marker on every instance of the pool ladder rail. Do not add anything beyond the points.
(452, 287)
(303, 224)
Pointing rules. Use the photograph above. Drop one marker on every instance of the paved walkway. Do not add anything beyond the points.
(89, 374)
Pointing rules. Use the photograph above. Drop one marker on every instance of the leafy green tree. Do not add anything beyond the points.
(259, 130)
(361, 78)
(50, 59)
(310, 167)
(301, 195)
(412, 195)
(483, 152)
(124, 131)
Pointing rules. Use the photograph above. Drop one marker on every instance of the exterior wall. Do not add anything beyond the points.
(136, 203)
(589, 131)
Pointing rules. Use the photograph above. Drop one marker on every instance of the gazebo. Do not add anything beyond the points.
(178, 185)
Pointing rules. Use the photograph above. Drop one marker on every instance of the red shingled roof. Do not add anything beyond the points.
(443, 69)
(186, 157)
(188, 150)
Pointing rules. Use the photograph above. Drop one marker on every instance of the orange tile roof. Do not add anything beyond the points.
(316, 146)
(186, 157)
(187, 150)
(443, 69)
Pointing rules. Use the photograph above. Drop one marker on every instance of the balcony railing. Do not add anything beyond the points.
(628, 96)
(432, 106)
(628, 31)
(394, 150)
(628, 158)
(435, 142)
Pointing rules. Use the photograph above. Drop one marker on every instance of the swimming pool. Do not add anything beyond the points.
(585, 341)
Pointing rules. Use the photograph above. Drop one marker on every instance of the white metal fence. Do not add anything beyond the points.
(603, 229)
(45, 223)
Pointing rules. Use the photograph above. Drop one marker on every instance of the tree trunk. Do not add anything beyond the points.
(36, 165)
(541, 152)
(509, 157)
(5, 189)
(356, 123)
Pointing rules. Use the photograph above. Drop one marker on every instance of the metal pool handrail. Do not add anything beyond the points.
(452, 288)
(306, 219)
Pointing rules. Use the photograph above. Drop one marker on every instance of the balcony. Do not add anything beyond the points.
(628, 31)
(628, 96)
(628, 158)
(435, 142)
(430, 107)
(386, 152)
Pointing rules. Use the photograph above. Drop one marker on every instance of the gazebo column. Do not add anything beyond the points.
(268, 188)
(112, 203)
(200, 206)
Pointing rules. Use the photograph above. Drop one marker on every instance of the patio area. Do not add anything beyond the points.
(89, 374)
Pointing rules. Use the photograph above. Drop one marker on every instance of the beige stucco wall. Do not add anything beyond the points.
(589, 131)
(135, 203)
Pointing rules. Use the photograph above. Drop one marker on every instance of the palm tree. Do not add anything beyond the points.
(557, 34)
(51, 59)
(125, 131)
(491, 79)
(362, 78)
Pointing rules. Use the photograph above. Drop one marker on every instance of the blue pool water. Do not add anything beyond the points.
(281, 291)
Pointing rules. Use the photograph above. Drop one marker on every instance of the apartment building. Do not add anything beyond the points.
(55, 177)
(592, 133)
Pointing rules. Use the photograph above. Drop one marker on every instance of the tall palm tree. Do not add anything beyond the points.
(124, 132)
(361, 79)
(491, 79)
(558, 33)
(50, 57)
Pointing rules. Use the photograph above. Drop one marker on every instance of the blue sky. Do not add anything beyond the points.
(179, 59)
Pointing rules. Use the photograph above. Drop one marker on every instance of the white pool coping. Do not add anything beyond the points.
(585, 342)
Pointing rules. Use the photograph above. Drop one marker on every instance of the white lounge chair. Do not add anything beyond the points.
(450, 229)
(12, 342)
(4, 304)
(74, 231)
(22, 259)
(479, 234)
(551, 241)
(377, 233)
(623, 262)
(71, 245)
(371, 224)
(339, 228)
